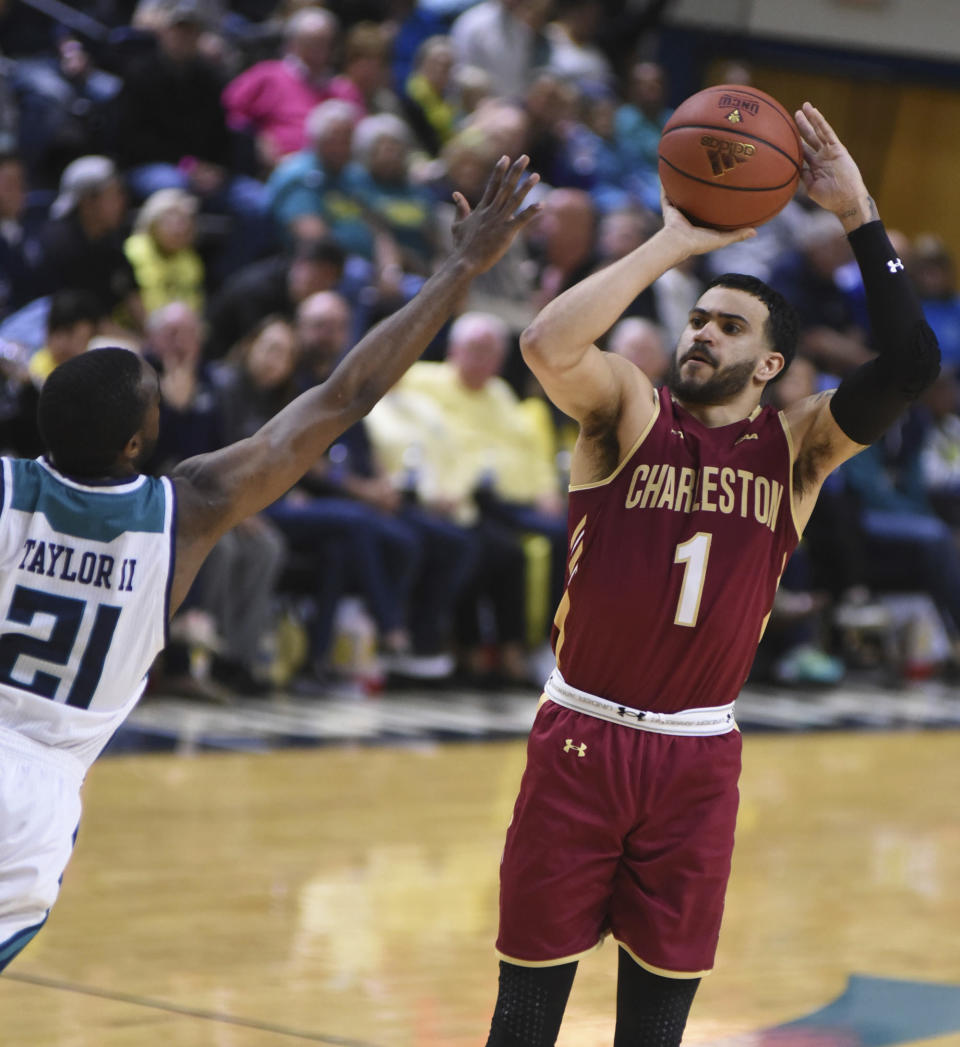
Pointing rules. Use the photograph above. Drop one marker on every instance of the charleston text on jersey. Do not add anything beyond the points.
(711, 489)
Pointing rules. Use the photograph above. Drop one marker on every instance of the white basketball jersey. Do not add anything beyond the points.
(85, 575)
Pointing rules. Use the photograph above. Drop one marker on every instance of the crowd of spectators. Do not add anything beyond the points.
(240, 191)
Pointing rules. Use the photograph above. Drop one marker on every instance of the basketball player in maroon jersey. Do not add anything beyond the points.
(685, 504)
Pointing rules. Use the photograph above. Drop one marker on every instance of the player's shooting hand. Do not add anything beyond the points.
(830, 173)
(482, 236)
(697, 239)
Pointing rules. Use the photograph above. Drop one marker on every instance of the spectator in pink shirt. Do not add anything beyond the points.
(272, 98)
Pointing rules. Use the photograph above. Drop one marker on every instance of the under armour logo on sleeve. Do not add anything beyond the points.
(894, 265)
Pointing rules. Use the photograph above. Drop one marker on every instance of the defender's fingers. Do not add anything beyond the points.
(526, 216)
(495, 181)
(510, 181)
(463, 208)
(521, 191)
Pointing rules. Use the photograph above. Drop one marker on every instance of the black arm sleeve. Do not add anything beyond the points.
(870, 400)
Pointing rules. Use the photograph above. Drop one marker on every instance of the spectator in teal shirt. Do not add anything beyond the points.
(639, 124)
(319, 190)
(382, 145)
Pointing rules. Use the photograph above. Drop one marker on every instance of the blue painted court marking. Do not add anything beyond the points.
(873, 1012)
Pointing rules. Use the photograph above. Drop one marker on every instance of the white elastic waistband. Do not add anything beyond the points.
(717, 719)
(13, 742)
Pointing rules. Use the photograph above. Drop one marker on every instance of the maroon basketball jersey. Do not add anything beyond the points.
(674, 560)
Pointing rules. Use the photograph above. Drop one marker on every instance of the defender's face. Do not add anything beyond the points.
(721, 346)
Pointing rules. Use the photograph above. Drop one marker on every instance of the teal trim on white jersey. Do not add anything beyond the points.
(85, 571)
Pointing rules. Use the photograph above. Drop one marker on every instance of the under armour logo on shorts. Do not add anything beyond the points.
(580, 750)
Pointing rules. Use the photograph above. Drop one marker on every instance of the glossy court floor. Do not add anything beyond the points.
(348, 896)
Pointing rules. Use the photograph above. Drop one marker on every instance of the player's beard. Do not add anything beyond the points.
(723, 385)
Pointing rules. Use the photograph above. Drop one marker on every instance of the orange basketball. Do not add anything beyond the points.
(730, 157)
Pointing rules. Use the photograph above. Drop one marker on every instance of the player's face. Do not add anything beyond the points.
(720, 348)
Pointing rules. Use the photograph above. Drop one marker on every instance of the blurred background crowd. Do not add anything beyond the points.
(239, 192)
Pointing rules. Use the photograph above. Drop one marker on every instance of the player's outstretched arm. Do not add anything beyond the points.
(559, 345)
(215, 491)
(830, 428)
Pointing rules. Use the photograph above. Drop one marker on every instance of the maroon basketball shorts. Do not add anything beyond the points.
(619, 831)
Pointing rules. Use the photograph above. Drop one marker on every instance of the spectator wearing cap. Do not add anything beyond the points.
(174, 134)
(81, 246)
(573, 51)
(273, 286)
(273, 98)
(161, 251)
(382, 147)
(319, 189)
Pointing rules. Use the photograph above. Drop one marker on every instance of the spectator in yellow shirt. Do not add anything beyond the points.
(71, 323)
(161, 251)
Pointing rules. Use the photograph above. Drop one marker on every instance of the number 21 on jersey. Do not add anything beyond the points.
(693, 554)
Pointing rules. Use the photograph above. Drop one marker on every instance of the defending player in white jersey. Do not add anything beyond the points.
(95, 558)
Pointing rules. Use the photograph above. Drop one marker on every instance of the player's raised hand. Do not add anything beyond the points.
(698, 239)
(481, 236)
(830, 173)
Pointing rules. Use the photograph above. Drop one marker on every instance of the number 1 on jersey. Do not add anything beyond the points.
(693, 554)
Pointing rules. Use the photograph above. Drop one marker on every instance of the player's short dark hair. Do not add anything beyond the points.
(89, 408)
(783, 322)
(70, 307)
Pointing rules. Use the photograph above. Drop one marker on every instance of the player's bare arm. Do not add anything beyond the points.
(829, 428)
(611, 398)
(216, 491)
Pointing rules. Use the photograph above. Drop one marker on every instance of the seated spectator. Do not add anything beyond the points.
(19, 248)
(382, 146)
(272, 286)
(940, 453)
(318, 189)
(934, 273)
(505, 38)
(639, 124)
(66, 108)
(642, 342)
(235, 587)
(459, 433)
(365, 79)
(829, 335)
(566, 237)
(572, 38)
(594, 154)
(507, 289)
(362, 536)
(174, 134)
(908, 547)
(82, 244)
(161, 251)
(424, 97)
(72, 321)
(273, 98)
(620, 232)
(552, 105)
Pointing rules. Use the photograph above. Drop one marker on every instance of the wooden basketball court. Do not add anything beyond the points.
(348, 896)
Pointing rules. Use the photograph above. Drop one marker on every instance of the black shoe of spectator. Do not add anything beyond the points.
(237, 678)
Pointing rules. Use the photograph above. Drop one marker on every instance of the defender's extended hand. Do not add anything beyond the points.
(481, 237)
(697, 239)
(830, 173)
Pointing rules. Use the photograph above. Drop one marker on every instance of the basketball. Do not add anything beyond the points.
(730, 157)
